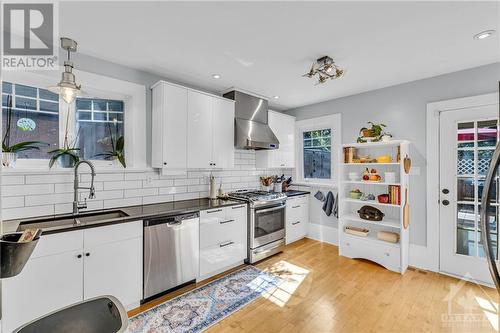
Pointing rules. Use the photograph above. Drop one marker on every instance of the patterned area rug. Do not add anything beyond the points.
(201, 308)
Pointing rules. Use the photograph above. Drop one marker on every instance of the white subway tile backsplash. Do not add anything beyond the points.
(13, 202)
(14, 190)
(141, 192)
(12, 180)
(173, 190)
(157, 199)
(24, 212)
(49, 179)
(122, 202)
(42, 194)
(126, 184)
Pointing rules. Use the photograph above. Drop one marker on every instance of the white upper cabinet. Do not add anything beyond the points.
(200, 124)
(283, 127)
(210, 131)
(223, 133)
(169, 127)
(190, 129)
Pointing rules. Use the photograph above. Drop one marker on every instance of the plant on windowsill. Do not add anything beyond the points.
(117, 142)
(9, 153)
(67, 156)
(372, 134)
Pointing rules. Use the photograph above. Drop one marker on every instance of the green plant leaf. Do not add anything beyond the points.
(120, 143)
(121, 158)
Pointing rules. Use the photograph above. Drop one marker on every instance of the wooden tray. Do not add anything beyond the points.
(356, 231)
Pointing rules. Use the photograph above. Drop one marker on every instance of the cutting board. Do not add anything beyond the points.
(406, 211)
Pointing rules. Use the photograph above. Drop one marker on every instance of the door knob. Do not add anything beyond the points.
(445, 191)
(446, 202)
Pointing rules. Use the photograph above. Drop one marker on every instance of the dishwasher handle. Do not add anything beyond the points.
(170, 220)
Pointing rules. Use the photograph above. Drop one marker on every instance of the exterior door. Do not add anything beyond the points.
(468, 138)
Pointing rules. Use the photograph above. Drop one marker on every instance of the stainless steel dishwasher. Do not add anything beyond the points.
(171, 252)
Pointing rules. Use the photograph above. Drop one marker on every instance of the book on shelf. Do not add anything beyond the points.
(394, 194)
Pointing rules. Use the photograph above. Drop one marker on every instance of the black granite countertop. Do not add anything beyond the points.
(64, 222)
(293, 193)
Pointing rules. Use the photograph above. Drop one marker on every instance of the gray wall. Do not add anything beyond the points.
(403, 109)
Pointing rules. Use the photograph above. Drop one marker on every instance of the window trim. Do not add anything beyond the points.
(332, 122)
(133, 96)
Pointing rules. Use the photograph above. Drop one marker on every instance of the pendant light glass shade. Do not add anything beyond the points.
(67, 87)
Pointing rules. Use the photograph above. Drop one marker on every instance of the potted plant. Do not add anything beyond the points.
(117, 152)
(67, 156)
(9, 152)
(374, 133)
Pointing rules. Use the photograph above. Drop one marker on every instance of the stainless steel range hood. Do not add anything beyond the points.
(251, 130)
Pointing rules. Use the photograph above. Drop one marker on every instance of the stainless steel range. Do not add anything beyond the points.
(266, 228)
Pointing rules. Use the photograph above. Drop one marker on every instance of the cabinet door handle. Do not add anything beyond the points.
(295, 223)
(164, 163)
(226, 244)
(79, 256)
(87, 254)
(214, 211)
(298, 206)
(236, 207)
(224, 222)
(282, 165)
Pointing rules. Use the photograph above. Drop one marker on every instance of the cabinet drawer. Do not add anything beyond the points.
(386, 255)
(112, 233)
(237, 211)
(295, 230)
(219, 256)
(218, 231)
(58, 243)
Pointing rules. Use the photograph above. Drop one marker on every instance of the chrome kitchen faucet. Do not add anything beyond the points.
(76, 204)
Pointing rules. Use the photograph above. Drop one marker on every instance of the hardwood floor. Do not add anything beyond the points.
(324, 292)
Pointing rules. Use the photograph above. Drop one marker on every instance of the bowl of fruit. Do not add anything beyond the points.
(356, 194)
(371, 176)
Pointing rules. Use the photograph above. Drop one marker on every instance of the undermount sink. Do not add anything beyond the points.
(70, 220)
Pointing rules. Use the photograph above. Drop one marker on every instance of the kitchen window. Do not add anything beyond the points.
(35, 117)
(318, 150)
(317, 154)
(99, 124)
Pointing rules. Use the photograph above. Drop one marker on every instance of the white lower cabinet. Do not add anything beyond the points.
(68, 267)
(223, 239)
(297, 217)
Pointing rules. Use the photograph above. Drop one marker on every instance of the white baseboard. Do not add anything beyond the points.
(323, 233)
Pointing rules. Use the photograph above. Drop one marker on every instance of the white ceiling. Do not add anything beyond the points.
(265, 47)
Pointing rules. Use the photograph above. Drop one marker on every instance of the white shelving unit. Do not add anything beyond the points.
(393, 256)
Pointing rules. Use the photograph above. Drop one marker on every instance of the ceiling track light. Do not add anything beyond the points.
(326, 69)
(484, 34)
(67, 87)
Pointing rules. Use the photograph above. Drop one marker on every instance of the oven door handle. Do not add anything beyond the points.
(260, 211)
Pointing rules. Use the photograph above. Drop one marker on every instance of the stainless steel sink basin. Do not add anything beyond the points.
(70, 220)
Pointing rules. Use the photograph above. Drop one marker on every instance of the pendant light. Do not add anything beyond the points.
(67, 87)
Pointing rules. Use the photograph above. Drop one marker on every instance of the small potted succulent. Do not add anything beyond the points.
(9, 152)
(67, 155)
(117, 152)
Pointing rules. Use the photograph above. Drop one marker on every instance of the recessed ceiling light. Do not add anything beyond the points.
(276, 97)
(216, 76)
(484, 34)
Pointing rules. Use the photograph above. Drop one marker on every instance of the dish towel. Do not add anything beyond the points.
(320, 196)
(336, 206)
(329, 204)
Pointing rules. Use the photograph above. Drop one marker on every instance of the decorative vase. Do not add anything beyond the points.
(66, 161)
(9, 160)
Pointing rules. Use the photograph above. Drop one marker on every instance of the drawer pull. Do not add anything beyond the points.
(224, 222)
(225, 244)
(348, 244)
(295, 223)
(387, 254)
(236, 207)
(214, 211)
(298, 206)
